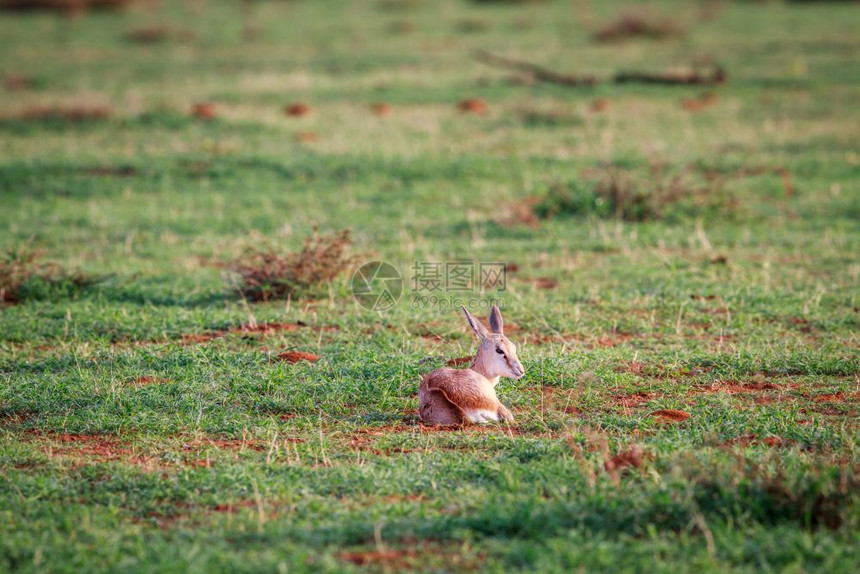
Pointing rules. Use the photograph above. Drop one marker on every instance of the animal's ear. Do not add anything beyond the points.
(476, 325)
(496, 324)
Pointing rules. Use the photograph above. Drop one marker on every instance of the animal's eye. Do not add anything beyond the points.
(499, 351)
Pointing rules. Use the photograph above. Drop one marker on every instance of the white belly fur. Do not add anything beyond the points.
(481, 415)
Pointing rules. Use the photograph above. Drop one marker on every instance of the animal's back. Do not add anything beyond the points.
(451, 396)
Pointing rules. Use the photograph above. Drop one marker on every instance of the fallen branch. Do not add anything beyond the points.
(712, 77)
(709, 78)
(537, 72)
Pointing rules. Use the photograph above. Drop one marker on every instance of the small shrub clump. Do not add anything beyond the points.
(638, 24)
(23, 277)
(266, 273)
(613, 191)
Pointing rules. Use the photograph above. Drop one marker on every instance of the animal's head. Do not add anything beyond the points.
(497, 355)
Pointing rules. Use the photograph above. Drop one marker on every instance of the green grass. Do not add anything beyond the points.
(142, 429)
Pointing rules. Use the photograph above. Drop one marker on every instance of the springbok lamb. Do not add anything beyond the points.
(460, 396)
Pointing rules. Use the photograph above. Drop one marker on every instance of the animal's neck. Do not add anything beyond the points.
(480, 366)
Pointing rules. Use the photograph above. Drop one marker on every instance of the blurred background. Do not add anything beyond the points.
(145, 136)
(187, 187)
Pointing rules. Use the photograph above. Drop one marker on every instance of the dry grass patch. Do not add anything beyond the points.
(473, 106)
(381, 108)
(266, 273)
(638, 24)
(71, 113)
(297, 110)
(656, 191)
(599, 105)
(62, 6)
(670, 415)
(151, 34)
(23, 276)
(204, 111)
(18, 83)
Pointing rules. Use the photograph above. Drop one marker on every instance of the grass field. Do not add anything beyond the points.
(683, 278)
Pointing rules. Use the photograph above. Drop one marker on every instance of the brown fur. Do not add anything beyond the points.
(447, 396)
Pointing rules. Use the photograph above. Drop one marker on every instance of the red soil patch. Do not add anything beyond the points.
(638, 24)
(381, 108)
(233, 507)
(473, 106)
(697, 297)
(426, 332)
(293, 357)
(17, 83)
(751, 439)
(70, 113)
(361, 442)
(148, 380)
(235, 444)
(670, 415)
(632, 457)
(700, 102)
(511, 267)
(554, 394)
(247, 329)
(11, 419)
(394, 498)
(271, 328)
(633, 400)
(306, 137)
(413, 558)
(104, 447)
(634, 367)
(692, 105)
(599, 105)
(204, 111)
(803, 325)
(829, 398)
(460, 361)
(735, 388)
(267, 328)
(519, 212)
(543, 282)
(297, 109)
(392, 558)
(188, 339)
(614, 339)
